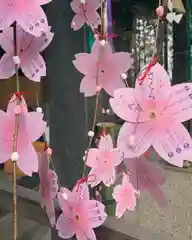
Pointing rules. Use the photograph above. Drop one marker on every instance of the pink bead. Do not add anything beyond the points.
(96, 36)
(160, 11)
(98, 88)
(17, 109)
(49, 151)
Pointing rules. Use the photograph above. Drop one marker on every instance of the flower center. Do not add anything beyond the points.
(152, 115)
(77, 217)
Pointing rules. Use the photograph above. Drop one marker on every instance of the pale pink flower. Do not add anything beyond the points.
(28, 14)
(102, 65)
(80, 214)
(29, 47)
(31, 128)
(126, 196)
(103, 161)
(85, 13)
(154, 112)
(48, 186)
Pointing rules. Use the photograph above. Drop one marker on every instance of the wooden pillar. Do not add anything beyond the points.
(65, 103)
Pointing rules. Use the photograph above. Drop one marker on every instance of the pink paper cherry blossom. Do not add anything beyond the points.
(85, 13)
(126, 196)
(154, 112)
(48, 186)
(103, 162)
(31, 127)
(102, 68)
(80, 215)
(28, 14)
(31, 62)
(146, 177)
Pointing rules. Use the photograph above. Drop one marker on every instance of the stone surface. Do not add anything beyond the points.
(150, 221)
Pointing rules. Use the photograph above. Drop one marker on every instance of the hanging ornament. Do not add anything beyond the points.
(172, 16)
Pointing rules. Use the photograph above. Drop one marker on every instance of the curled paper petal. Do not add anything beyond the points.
(48, 186)
(145, 176)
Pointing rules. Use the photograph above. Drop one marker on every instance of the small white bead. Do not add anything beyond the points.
(82, 1)
(91, 134)
(102, 42)
(39, 109)
(14, 156)
(124, 76)
(108, 111)
(84, 158)
(98, 89)
(103, 111)
(16, 60)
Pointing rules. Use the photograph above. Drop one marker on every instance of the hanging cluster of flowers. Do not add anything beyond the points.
(153, 112)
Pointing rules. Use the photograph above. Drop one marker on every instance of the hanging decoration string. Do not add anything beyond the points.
(15, 135)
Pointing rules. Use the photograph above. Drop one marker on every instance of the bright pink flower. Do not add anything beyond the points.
(28, 14)
(31, 128)
(102, 68)
(80, 215)
(48, 186)
(154, 112)
(31, 62)
(85, 13)
(126, 197)
(146, 177)
(103, 162)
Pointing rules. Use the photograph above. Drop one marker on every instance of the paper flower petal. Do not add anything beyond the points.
(115, 83)
(65, 227)
(106, 143)
(33, 67)
(28, 160)
(174, 144)
(33, 20)
(126, 107)
(7, 66)
(77, 22)
(88, 86)
(155, 88)
(85, 63)
(143, 138)
(96, 214)
(180, 103)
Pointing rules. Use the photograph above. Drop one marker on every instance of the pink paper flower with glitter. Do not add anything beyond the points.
(102, 68)
(80, 215)
(28, 14)
(103, 162)
(85, 12)
(154, 112)
(48, 186)
(146, 177)
(31, 62)
(27, 133)
(126, 197)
